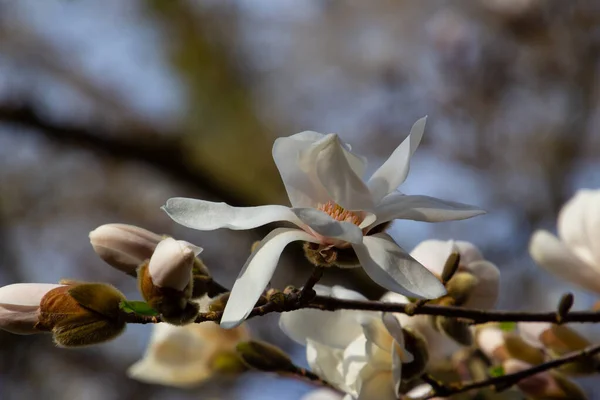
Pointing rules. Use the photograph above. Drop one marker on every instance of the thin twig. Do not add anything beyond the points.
(504, 382)
(473, 316)
(308, 293)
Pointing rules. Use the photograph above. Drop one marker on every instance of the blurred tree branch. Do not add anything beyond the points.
(166, 155)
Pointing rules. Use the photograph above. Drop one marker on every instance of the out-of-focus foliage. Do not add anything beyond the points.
(135, 102)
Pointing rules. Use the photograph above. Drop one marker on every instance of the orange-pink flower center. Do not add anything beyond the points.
(339, 213)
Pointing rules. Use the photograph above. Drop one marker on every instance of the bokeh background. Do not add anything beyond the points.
(108, 108)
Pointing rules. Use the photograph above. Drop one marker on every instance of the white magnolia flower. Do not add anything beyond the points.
(332, 207)
(434, 253)
(575, 257)
(440, 346)
(183, 356)
(361, 353)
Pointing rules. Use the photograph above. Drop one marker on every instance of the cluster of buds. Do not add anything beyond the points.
(77, 314)
(470, 281)
(515, 350)
(169, 272)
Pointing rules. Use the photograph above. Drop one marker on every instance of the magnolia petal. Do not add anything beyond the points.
(552, 254)
(19, 319)
(339, 179)
(257, 273)
(324, 394)
(298, 174)
(421, 391)
(324, 225)
(375, 331)
(355, 359)
(207, 215)
(422, 208)
(335, 329)
(393, 268)
(394, 171)
(378, 385)
(25, 294)
(579, 226)
(433, 254)
(399, 353)
(397, 369)
(324, 361)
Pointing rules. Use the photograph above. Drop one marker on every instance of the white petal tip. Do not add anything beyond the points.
(230, 324)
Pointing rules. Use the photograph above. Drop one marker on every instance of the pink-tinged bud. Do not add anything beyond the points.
(19, 306)
(124, 246)
(544, 385)
(172, 262)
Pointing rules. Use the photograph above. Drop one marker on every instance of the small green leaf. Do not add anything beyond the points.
(508, 326)
(138, 307)
(496, 371)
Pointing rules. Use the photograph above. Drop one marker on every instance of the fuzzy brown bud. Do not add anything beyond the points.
(82, 314)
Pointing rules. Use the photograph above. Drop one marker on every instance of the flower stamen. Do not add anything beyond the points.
(339, 213)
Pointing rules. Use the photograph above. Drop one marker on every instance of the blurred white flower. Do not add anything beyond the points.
(184, 356)
(490, 340)
(20, 306)
(434, 253)
(361, 353)
(421, 391)
(575, 257)
(439, 345)
(332, 207)
(325, 394)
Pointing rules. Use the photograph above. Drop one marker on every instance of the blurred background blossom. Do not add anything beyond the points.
(109, 108)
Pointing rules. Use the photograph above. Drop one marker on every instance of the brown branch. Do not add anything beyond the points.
(165, 155)
(504, 382)
(291, 302)
(473, 316)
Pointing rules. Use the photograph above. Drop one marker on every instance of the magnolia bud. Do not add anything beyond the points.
(19, 306)
(166, 281)
(172, 262)
(451, 266)
(82, 314)
(455, 329)
(124, 246)
(544, 385)
(265, 357)
(461, 286)
(518, 348)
